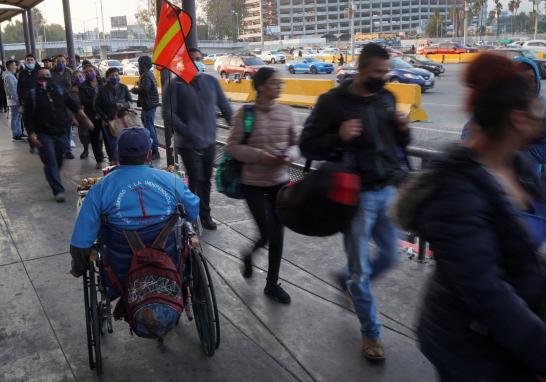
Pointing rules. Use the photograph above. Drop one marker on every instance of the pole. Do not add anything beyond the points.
(351, 14)
(31, 29)
(464, 23)
(536, 23)
(189, 7)
(98, 30)
(25, 31)
(69, 34)
(2, 53)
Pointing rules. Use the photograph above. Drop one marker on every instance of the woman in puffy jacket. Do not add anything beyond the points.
(483, 212)
(270, 148)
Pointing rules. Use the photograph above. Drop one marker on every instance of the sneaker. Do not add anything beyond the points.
(18, 139)
(275, 290)
(208, 223)
(72, 144)
(84, 155)
(69, 155)
(156, 156)
(60, 198)
(24, 136)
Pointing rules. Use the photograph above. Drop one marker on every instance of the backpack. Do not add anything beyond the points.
(154, 297)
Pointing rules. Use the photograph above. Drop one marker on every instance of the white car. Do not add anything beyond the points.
(128, 60)
(107, 64)
(328, 52)
(272, 57)
(131, 69)
(535, 45)
(306, 53)
(218, 63)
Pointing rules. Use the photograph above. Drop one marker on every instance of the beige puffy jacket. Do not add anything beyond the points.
(274, 131)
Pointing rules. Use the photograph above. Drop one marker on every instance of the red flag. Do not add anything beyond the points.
(170, 50)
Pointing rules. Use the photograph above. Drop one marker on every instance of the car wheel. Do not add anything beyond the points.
(248, 76)
(313, 70)
(394, 80)
(272, 61)
(291, 70)
(423, 90)
(347, 78)
(223, 75)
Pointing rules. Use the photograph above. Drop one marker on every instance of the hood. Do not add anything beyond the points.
(145, 63)
(519, 60)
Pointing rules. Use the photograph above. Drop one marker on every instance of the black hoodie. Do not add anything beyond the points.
(148, 96)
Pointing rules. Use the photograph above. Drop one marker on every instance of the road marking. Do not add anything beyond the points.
(437, 130)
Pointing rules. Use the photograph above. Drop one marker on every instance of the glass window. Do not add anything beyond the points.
(444, 46)
(540, 44)
(233, 61)
(529, 54)
(253, 61)
(313, 59)
(511, 53)
(114, 63)
(422, 59)
(302, 60)
(399, 64)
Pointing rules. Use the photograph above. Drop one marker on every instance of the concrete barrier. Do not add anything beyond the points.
(304, 92)
(130, 80)
(208, 62)
(408, 100)
(451, 58)
(436, 57)
(238, 91)
(468, 57)
(540, 55)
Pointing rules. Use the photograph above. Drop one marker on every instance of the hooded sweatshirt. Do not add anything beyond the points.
(148, 96)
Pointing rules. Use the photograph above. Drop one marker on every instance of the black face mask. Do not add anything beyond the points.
(44, 83)
(374, 84)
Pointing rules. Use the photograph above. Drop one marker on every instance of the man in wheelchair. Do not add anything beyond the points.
(134, 196)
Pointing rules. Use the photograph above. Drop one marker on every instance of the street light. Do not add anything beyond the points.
(237, 23)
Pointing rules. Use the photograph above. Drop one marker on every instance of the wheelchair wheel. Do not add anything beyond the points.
(203, 304)
(92, 319)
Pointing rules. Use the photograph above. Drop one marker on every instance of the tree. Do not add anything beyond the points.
(512, 9)
(453, 15)
(148, 20)
(498, 8)
(490, 17)
(220, 17)
(435, 24)
(476, 8)
(482, 31)
(516, 7)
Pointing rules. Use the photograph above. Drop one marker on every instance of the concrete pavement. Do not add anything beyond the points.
(315, 338)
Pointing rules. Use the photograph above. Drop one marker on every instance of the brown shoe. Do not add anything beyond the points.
(373, 350)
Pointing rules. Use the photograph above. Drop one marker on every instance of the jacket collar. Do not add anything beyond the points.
(266, 109)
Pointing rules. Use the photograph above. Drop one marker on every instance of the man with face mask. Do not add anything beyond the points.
(61, 74)
(190, 109)
(148, 99)
(46, 120)
(358, 120)
(10, 86)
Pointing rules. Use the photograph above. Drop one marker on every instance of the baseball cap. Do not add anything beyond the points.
(46, 60)
(134, 142)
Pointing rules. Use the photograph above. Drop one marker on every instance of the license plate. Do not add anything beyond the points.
(442, 70)
(427, 82)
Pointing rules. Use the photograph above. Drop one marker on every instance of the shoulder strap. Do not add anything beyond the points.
(161, 239)
(134, 241)
(248, 123)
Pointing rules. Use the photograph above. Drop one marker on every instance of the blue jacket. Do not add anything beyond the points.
(480, 317)
(190, 109)
(131, 197)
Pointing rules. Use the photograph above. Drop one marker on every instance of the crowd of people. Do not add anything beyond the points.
(480, 206)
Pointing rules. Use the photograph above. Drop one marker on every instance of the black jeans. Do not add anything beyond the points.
(199, 165)
(262, 202)
(3, 99)
(97, 139)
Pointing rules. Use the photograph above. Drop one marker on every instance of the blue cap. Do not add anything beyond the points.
(134, 142)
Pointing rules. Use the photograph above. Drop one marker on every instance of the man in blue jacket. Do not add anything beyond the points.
(132, 196)
(190, 109)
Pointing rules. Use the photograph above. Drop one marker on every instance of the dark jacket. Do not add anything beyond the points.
(194, 110)
(480, 316)
(148, 97)
(48, 117)
(375, 150)
(107, 98)
(63, 80)
(87, 94)
(25, 82)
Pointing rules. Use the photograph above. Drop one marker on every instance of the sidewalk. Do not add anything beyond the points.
(315, 338)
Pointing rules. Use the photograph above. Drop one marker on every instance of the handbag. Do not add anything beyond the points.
(321, 204)
(229, 171)
(118, 123)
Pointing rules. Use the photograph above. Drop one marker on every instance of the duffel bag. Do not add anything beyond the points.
(321, 204)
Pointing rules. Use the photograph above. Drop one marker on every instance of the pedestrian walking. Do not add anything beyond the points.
(26, 81)
(112, 100)
(3, 97)
(358, 118)
(341, 60)
(267, 154)
(83, 130)
(148, 99)
(10, 87)
(62, 75)
(87, 92)
(483, 212)
(299, 53)
(46, 120)
(190, 109)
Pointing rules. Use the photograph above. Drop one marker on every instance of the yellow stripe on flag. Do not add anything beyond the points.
(166, 39)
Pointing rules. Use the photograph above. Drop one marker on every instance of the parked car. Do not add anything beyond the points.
(128, 60)
(423, 63)
(513, 53)
(107, 64)
(328, 52)
(484, 48)
(272, 57)
(306, 53)
(246, 66)
(309, 65)
(257, 51)
(446, 48)
(393, 51)
(131, 69)
(537, 45)
(218, 62)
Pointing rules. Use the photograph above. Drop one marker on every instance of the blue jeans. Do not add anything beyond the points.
(51, 154)
(16, 129)
(148, 120)
(113, 144)
(69, 136)
(370, 222)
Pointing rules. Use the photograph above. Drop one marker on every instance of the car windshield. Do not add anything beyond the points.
(354, 63)
(529, 54)
(312, 52)
(313, 59)
(114, 63)
(460, 46)
(422, 59)
(399, 64)
(253, 61)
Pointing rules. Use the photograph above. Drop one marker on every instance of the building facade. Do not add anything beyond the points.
(295, 18)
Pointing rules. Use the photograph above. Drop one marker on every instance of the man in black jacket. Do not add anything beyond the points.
(47, 123)
(27, 78)
(148, 98)
(358, 120)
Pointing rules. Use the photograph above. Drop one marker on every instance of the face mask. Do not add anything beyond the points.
(114, 80)
(14, 71)
(200, 67)
(90, 76)
(79, 80)
(44, 83)
(30, 66)
(61, 67)
(374, 84)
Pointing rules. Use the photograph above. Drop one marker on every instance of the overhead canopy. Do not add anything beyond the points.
(7, 13)
(19, 6)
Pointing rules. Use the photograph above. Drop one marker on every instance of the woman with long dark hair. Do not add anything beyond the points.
(267, 154)
(483, 212)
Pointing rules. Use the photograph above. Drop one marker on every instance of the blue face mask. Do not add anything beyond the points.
(200, 67)
(61, 67)
(114, 80)
(14, 71)
(30, 66)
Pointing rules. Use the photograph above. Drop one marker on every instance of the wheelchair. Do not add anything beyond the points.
(194, 273)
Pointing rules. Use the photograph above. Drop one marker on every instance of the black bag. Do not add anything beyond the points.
(321, 204)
